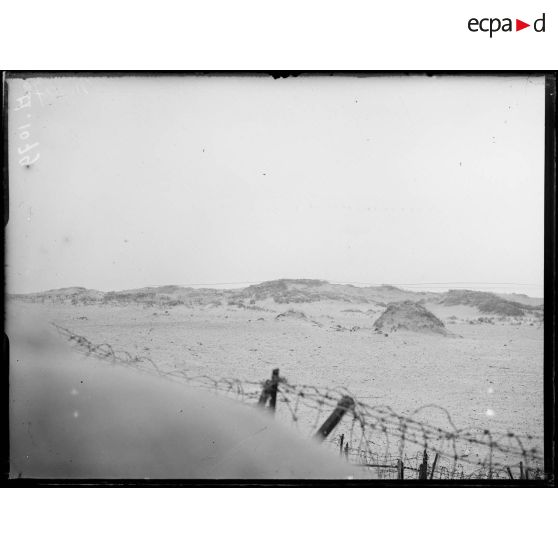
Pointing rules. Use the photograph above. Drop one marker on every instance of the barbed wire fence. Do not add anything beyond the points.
(380, 442)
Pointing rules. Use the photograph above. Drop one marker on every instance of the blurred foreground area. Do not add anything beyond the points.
(78, 418)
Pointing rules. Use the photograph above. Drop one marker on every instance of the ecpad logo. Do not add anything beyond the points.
(493, 25)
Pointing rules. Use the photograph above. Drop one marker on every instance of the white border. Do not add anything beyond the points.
(291, 34)
(277, 522)
(249, 34)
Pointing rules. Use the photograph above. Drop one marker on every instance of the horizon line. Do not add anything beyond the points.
(360, 283)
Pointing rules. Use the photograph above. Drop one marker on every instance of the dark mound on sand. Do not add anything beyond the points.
(488, 303)
(410, 316)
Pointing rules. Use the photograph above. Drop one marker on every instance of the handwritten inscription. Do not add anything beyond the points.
(45, 92)
(28, 147)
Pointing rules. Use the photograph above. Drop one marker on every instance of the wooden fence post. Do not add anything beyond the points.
(341, 444)
(509, 473)
(521, 475)
(269, 391)
(345, 404)
(400, 469)
(347, 451)
(273, 389)
(433, 467)
(423, 468)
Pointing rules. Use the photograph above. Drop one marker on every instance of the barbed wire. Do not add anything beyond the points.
(374, 437)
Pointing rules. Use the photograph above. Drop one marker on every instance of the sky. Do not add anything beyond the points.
(120, 183)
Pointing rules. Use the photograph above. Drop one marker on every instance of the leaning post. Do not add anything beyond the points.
(345, 404)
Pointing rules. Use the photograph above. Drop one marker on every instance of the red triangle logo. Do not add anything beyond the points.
(519, 25)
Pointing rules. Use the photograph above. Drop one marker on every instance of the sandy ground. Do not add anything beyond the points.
(489, 377)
